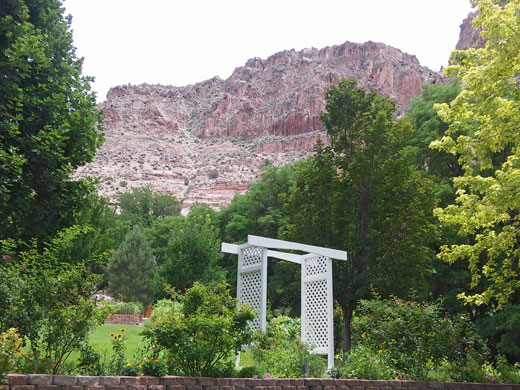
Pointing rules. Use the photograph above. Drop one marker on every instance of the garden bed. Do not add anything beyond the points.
(64, 382)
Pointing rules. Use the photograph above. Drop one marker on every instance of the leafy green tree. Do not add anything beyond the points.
(192, 254)
(203, 335)
(363, 194)
(48, 119)
(483, 133)
(158, 235)
(129, 271)
(428, 127)
(448, 280)
(142, 205)
(261, 211)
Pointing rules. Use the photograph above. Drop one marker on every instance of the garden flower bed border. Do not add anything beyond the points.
(65, 382)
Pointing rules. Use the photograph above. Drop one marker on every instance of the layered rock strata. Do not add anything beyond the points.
(207, 141)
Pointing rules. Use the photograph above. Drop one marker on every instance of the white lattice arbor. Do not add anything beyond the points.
(316, 286)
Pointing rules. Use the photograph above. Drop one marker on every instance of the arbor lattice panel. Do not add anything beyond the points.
(316, 313)
(317, 321)
(252, 282)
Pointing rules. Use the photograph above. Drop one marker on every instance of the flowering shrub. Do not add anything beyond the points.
(412, 337)
(9, 349)
(280, 351)
(365, 363)
(147, 367)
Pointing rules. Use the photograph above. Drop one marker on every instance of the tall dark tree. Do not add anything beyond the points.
(129, 271)
(429, 127)
(363, 194)
(48, 120)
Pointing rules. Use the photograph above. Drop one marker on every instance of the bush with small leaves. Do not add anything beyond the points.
(129, 308)
(213, 174)
(203, 337)
(280, 351)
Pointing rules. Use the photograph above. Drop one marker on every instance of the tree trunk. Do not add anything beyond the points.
(347, 319)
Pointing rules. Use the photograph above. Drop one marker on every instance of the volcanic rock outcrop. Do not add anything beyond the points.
(207, 141)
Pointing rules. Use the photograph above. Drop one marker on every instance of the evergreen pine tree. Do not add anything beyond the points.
(129, 269)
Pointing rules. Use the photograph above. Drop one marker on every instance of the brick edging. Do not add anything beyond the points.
(67, 382)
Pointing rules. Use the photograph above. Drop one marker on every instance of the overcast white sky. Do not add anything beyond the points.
(180, 42)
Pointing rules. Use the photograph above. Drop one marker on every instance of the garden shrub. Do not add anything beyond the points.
(365, 363)
(279, 351)
(474, 371)
(414, 337)
(165, 308)
(90, 361)
(9, 348)
(249, 371)
(509, 373)
(149, 364)
(129, 308)
(204, 335)
(49, 295)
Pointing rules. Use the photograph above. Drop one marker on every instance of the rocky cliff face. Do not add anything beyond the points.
(266, 112)
(469, 36)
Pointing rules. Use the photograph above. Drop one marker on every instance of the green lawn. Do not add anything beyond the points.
(101, 341)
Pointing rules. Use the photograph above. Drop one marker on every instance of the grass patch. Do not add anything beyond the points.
(101, 341)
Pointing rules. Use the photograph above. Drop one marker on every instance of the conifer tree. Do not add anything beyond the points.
(129, 270)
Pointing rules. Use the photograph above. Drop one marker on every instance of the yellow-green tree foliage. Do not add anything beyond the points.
(484, 132)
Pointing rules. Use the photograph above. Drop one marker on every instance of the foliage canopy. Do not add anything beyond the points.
(483, 133)
(48, 121)
(363, 194)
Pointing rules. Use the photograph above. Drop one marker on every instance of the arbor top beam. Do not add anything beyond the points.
(281, 244)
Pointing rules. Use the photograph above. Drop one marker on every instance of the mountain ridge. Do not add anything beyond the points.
(266, 112)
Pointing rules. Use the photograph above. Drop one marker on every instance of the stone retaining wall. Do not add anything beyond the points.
(63, 382)
(127, 319)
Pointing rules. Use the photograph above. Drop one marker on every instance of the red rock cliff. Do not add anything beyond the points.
(266, 111)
